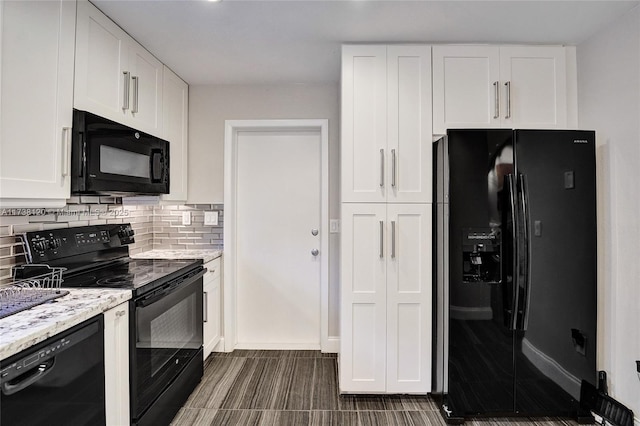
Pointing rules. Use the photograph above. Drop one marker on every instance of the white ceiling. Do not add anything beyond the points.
(298, 41)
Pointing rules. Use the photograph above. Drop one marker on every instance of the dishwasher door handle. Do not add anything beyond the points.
(10, 386)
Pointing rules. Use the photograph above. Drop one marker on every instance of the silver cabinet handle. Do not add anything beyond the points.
(315, 252)
(508, 84)
(496, 92)
(381, 239)
(381, 168)
(135, 93)
(205, 297)
(120, 313)
(314, 232)
(125, 97)
(393, 168)
(393, 239)
(66, 151)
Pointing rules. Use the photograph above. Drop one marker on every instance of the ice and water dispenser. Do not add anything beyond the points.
(481, 255)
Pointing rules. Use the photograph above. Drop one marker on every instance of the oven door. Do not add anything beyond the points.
(168, 334)
(112, 158)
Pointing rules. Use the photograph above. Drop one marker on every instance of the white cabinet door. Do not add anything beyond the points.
(363, 299)
(409, 298)
(534, 79)
(116, 364)
(102, 56)
(465, 87)
(116, 77)
(493, 86)
(36, 83)
(212, 312)
(386, 124)
(364, 123)
(146, 90)
(409, 149)
(175, 110)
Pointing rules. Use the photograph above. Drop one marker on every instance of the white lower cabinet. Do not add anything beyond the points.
(212, 312)
(385, 298)
(116, 365)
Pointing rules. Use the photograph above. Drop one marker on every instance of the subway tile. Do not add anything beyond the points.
(98, 222)
(6, 230)
(67, 218)
(18, 229)
(78, 223)
(89, 199)
(13, 220)
(58, 225)
(42, 218)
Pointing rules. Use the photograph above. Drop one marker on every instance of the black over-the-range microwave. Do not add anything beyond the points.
(111, 158)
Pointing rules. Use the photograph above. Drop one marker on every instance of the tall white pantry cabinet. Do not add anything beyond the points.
(385, 344)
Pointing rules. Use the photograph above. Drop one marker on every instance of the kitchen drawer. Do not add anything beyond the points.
(213, 269)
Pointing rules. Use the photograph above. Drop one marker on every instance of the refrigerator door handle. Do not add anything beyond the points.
(525, 249)
(515, 272)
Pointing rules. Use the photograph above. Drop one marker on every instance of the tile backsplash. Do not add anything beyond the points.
(170, 233)
(157, 226)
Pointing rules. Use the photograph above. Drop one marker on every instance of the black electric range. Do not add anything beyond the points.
(166, 312)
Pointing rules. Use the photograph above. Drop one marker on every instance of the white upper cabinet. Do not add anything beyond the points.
(499, 86)
(116, 77)
(36, 89)
(175, 110)
(386, 123)
(535, 83)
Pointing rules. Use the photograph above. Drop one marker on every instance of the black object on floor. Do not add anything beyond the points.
(604, 406)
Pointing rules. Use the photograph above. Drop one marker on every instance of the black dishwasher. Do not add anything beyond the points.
(59, 381)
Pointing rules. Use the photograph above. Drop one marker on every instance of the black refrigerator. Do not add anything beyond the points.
(515, 272)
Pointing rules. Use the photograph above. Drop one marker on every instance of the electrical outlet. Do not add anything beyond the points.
(334, 226)
(211, 218)
(186, 218)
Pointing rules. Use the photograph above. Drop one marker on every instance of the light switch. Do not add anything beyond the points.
(334, 226)
(211, 218)
(186, 218)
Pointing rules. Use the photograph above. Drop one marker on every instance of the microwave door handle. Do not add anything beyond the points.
(157, 166)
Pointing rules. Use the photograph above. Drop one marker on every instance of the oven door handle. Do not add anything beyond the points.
(170, 288)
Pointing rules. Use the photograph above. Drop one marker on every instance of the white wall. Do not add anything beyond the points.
(210, 106)
(609, 103)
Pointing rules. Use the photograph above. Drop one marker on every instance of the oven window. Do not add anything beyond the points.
(123, 162)
(172, 330)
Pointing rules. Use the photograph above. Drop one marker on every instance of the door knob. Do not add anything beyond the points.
(314, 232)
(315, 252)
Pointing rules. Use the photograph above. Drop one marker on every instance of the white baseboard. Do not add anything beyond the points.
(550, 368)
(332, 345)
(278, 346)
(471, 313)
(219, 347)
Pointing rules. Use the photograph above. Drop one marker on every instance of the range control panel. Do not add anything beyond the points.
(43, 246)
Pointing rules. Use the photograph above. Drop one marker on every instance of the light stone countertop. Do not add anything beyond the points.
(27, 328)
(205, 255)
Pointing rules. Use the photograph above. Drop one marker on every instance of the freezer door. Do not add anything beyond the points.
(480, 274)
(556, 316)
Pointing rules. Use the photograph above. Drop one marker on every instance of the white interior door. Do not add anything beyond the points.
(278, 207)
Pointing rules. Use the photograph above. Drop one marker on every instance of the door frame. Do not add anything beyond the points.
(231, 129)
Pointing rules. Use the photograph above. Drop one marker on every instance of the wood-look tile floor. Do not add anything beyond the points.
(300, 388)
